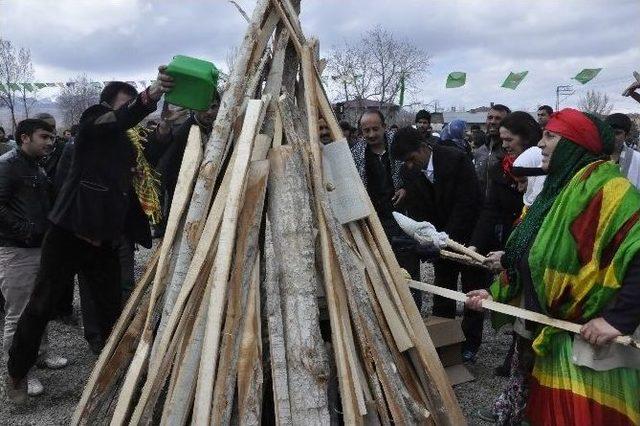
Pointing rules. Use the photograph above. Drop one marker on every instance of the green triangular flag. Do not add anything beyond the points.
(456, 79)
(40, 85)
(51, 85)
(28, 87)
(14, 86)
(2, 89)
(587, 74)
(514, 79)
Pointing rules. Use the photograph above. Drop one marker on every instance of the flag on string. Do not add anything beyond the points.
(52, 85)
(402, 89)
(456, 79)
(587, 74)
(14, 86)
(28, 87)
(514, 79)
(61, 85)
(2, 89)
(40, 85)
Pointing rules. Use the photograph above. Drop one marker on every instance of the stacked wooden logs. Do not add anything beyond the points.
(259, 304)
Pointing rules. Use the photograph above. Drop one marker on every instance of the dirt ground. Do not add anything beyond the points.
(63, 388)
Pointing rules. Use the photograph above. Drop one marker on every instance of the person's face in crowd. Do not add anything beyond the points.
(494, 118)
(372, 129)
(511, 144)
(620, 136)
(548, 144)
(66, 135)
(323, 129)
(38, 145)
(543, 118)
(121, 100)
(206, 118)
(423, 125)
(418, 159)
(347, 134)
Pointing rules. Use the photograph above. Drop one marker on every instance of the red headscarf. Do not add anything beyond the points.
(577, 127)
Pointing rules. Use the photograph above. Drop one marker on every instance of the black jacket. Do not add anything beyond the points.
(97, 200)
(25, 200)
(500, 211)
(456, 194)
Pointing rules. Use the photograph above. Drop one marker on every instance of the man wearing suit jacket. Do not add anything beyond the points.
(97, 205)
(442, 188)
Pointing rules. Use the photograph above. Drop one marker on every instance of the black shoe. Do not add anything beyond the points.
(486, 415)
(96, 346)
(502, 371)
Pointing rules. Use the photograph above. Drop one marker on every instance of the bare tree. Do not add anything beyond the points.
(78, 95)
(15, 68)
(374, 67)
(596, 103)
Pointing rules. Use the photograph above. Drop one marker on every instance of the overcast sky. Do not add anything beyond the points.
(552, 39)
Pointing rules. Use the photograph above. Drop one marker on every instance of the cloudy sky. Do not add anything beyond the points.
(552, 39)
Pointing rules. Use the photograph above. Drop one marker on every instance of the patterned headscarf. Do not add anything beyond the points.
(569, 157)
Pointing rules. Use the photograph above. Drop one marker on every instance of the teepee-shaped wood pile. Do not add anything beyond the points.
(227, 325)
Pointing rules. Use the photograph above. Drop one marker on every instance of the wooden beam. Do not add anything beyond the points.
(222, 263)
(514, 311)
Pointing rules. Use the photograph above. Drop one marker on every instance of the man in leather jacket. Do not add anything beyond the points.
(96, 206)
(25, 201)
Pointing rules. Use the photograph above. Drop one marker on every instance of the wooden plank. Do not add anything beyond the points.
(275, 328)
(293, 232)
(397, 327)
(466, 251)
(289, 25)
(516, 311)
(222, 263)
(250, 358)
(98, 374)
(214, 155)
(244, 259)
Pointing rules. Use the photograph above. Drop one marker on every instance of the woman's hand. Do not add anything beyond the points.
(475, 298)
(599, 332)
(163, 84)
(493, 261)
(399, 196)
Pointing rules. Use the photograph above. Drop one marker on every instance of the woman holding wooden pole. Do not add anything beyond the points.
(575, 257)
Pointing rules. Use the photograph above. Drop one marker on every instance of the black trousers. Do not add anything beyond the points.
(446, 275)
(90, 314)
(63, 255)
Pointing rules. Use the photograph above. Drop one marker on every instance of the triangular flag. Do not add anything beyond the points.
(40, 85)
(2, 89)
(14, 86)
(51, 85)
(28, 87)
(587, 74)
(514, 79)
(456, 79)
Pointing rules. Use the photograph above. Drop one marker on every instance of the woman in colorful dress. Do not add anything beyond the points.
(574, 256)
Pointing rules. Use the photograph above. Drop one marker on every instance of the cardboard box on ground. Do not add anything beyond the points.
(448, 337)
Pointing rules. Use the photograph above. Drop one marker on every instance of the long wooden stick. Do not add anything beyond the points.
(466, 250)
(515, 311)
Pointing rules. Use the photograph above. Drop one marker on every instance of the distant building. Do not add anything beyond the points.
(351, 110)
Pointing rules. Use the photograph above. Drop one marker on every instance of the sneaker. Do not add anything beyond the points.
(17, 392)
(486, 415)
(52, 362)
(469, 356)
(34, 386)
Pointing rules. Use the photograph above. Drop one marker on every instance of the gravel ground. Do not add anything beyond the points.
(63, 388)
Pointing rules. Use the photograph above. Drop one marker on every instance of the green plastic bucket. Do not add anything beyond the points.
(195, 81)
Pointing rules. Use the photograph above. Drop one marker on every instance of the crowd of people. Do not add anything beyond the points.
(552, 202)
